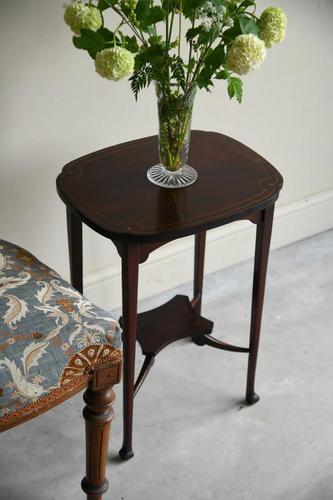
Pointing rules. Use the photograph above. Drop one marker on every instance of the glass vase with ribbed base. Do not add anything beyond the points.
(174, 115)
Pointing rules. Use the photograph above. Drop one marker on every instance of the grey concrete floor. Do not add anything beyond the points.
(194, 439)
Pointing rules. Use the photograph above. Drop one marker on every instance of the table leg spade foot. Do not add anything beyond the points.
(126, 454)
(199, 340)
(252, 399)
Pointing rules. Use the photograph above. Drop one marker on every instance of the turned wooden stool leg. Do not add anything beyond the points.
(74, 232)
(98, 415)
(130, 270)
(263, 238)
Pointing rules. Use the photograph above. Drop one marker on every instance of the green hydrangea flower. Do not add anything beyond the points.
(80, 16)
(246, 53)
(114, 63)
(273, 24)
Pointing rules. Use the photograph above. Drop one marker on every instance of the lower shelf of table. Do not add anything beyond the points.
(168, 323)
(172, 321)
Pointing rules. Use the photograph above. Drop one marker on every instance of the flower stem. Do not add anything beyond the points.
(171, 26)
(180, 29)
(128, 22)
(190, 53)
(116, 31)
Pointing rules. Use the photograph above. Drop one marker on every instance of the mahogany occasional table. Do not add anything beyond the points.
(109, 191)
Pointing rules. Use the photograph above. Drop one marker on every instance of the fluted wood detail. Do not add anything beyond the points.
(98, 415)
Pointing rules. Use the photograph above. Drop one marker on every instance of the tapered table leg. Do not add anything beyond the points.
(199, 262)
(263, 238)
(74, 231)
(130, 270)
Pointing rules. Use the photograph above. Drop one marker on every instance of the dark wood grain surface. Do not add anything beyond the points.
(110, 191)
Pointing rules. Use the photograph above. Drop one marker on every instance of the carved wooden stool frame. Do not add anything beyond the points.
(98, 379)
(98, 414)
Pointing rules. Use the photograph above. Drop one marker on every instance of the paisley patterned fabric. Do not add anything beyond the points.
(50, 335)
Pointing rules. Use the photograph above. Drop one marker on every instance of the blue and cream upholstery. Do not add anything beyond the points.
(51, 337)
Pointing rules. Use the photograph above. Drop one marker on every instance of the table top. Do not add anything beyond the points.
(110, 191)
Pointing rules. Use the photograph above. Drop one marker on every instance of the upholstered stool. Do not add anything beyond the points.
(53, 343)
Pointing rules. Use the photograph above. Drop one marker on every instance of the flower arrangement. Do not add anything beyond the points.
(180, 45)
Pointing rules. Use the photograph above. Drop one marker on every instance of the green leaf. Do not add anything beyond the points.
(177, 70)
(156, 14)
(215, 58)
(190, 65)
(142, 75)
(204, 78)
(106, 34)
(222, 75)
(91, 41)
(131, 44)
(247, 3)
(155, 40)
(170, 5)
(230, 34)
(105, 4)
(193, 32)
(235, 88)
(189, 7)
(154, 53)
(208, 36)
(248, 25)
(213, 62)
(142, 9)
(174, 44)
(147, 15)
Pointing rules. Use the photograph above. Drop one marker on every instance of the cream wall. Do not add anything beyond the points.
(55, 108)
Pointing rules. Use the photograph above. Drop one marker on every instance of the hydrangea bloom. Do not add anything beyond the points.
(80, 16)
(211, 15)
(114, 63)
(273, 23)
(246, 53)
(229, 22)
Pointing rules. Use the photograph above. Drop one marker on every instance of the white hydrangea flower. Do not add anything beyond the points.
(80, 16)
(246, 53)
(206, 23)
(273, 24)
(114, 63)
(229, 22)
(211, 15)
